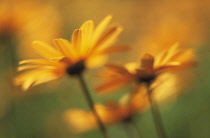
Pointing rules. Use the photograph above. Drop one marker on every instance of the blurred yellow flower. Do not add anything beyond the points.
(25, 21)
(109, 113)
(10, 20)
(89, 48)
(172, 59)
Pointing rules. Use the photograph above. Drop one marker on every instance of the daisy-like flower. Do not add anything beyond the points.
(148, 74)
(88, 48)
(172, 59)
(109, 113)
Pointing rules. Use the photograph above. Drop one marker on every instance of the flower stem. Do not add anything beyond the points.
(156, 115)
(128, 130)
(10, 64)
(91, 105)
(133, 123)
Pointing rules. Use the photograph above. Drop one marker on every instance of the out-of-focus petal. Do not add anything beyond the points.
(168, 53)
(118, 69)
(100, 29)
(66, 48)
(37, 61)
(80, 120)
(28, 78)
(77, 39)
(113, 84)
(26, 67)
(108, 38)
(187, 55)
(87, 28)
(95, 61)
(165, 87)
(45, 50)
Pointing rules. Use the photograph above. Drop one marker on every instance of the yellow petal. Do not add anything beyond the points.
(26, 67)
(27, 84)
(37, 61)
(80, 120)
(107, 74)
(87, 29)
(163, 87)
(95, 61)
(77, 39)
(29, 78)
(45, 50)
(181, 60)
(139, 99)
(107, 39)
(45, 78)
(184, 56)
(100, 29)
(168, 53)
(65, 47)
(132, 67)
(174, 66)
(113, 84)
(118, 69)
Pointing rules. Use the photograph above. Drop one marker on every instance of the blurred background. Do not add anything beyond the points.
(149, 26)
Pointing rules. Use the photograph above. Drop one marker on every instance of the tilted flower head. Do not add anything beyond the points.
(88, 48)
(109, 113)
(173, 59)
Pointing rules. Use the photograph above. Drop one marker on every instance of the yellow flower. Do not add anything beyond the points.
(129, 105)
(25, 21)
(88, 48)
(109, 113)
(172, 59)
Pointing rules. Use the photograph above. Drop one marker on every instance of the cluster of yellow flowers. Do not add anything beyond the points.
(89, 47)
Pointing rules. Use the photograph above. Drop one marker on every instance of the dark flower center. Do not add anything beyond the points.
(127, 119)
(145, 76)
(77, 68)
(146, 79)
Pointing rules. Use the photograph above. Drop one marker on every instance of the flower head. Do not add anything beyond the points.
(172, 59)
(88, 48)
(127, 107)
(109, 113)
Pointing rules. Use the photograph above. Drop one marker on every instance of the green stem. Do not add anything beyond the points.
(91, 105)
(131, 121)
(156, 115)
(128, 130)
(11, 64)
(135, 126)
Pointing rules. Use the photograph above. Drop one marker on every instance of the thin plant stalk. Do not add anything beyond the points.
(156, 115)
(130, 121)
(91, 105)
(128, 130)
(133, 123)
(11, 58)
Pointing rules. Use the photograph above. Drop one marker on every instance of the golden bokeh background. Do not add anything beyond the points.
(149, 26)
